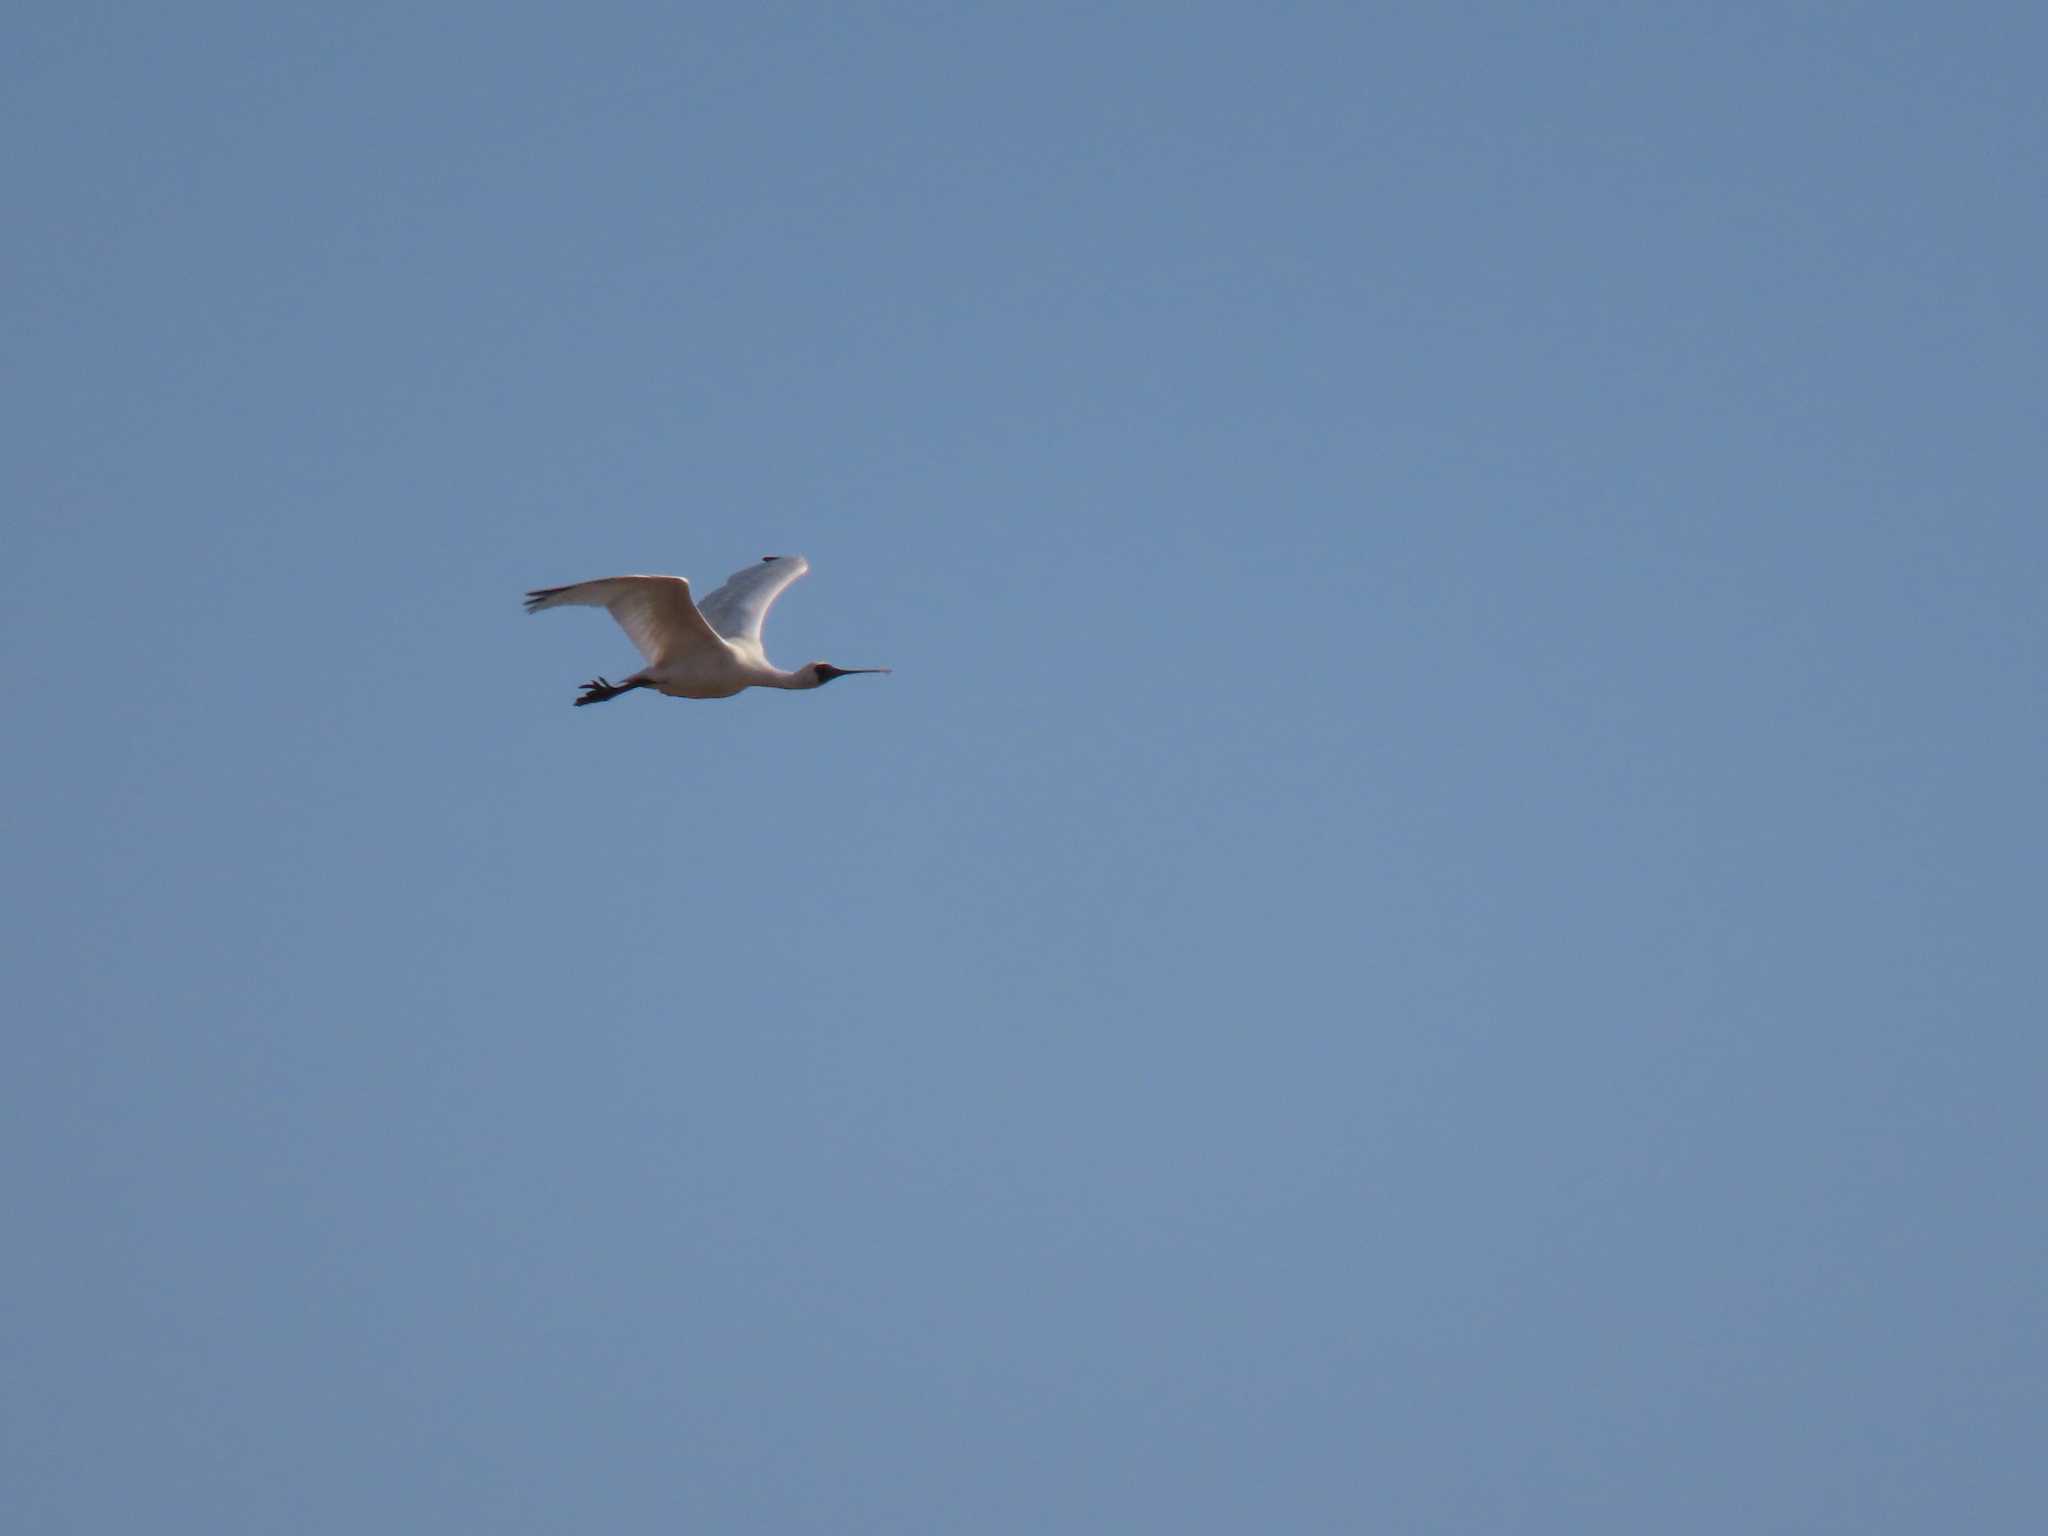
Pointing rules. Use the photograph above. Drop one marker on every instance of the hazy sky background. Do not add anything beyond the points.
(1439, 928)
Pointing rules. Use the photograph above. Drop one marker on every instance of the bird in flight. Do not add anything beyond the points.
(707, 650)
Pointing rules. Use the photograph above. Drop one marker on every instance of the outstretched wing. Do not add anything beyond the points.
(655, 611)
(737, 609)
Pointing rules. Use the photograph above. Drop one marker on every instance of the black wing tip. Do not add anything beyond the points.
(770, 559)
(538, 596)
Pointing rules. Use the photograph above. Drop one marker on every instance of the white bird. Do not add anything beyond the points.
(708, 650)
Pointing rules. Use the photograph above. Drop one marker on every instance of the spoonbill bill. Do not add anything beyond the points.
(707, 650)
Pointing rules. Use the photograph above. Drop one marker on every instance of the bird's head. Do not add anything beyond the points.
(819, 673)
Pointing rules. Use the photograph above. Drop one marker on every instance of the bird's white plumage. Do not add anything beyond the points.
(655, 612)
(712, 651)
(738, 609)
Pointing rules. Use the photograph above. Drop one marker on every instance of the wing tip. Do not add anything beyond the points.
(537, 599)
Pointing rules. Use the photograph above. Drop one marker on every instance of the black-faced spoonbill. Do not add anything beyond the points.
(707, 650)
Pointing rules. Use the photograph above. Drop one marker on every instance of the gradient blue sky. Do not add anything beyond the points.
(1439, 928)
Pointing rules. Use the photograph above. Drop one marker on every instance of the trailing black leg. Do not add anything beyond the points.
(597, 690)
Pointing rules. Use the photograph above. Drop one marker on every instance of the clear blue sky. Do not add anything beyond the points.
(1439, 928)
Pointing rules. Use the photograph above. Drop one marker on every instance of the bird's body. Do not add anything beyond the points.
(708, 650)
